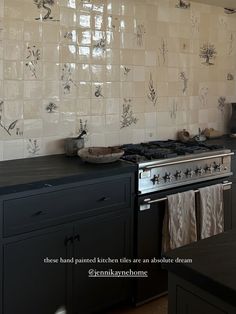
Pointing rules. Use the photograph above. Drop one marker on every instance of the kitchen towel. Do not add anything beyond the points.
(211, 211)
(179, 227)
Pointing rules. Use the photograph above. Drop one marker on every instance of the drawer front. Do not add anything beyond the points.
(42, 210)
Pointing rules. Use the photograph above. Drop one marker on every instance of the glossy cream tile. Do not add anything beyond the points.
(126, 70)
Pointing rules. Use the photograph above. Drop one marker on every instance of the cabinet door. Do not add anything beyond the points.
(149, 245)
(108, 236)
(30, 284)
(189, 303)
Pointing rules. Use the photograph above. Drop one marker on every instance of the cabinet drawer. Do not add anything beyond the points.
(42, 210)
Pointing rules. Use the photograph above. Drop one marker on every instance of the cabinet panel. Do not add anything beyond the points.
(188, 303)
(106, 237)
(149, 245)
(30, 285)
(34, 212)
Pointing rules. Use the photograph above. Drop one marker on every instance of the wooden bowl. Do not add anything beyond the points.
(100, 155)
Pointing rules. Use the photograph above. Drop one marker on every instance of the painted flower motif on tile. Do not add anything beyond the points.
(203, 95)
(68, 35)
(33, 56)
(66, 78)
(11, 126)
(51, 107)
(140, 32)
(184, 78)
(33, 147)
(230, 77)
(163, 50)
(222, 104)
(100, 45)
(183, 4)
(152, 93)
(127, 116)
(173, 110)
(46, 5)
(208, 52)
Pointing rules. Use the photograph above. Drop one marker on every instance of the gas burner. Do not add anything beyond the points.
(156, 150)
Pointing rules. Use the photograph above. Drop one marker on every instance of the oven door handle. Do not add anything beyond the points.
(147, 202)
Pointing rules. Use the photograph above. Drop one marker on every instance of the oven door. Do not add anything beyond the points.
(149, 214)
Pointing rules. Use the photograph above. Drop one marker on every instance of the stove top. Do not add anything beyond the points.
(168, 164)
(151, 151)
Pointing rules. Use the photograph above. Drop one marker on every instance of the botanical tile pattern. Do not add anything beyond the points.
(152, 93)
(208, 53)
(127, 116)
(122, 70)
(33, 147)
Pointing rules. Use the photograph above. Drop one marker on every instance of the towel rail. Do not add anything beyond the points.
(226, 186)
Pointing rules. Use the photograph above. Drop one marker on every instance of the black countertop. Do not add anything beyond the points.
(225, 141)
(213, 266)
(32, 173)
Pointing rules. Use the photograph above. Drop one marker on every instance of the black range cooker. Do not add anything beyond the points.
(163, 168)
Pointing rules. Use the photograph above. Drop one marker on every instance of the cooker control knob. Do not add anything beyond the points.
(168, 177)
(209, 169)
(190, 173)
(200, 171)
(179, 175)
(219, 167)
(156, 179)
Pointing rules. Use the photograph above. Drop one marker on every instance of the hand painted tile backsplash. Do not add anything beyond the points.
(122, 70)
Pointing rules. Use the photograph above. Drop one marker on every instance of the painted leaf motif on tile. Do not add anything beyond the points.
(173, 111)
(66, 78)
(163, 50)
(33, 147)
(140, 35)
(6, 128)
(222, 103)
(152, 93)
(184, 78)
(33, 57)
(127, 116)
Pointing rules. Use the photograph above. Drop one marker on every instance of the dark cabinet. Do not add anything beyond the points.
(29, 284)
(189, 303)
(46, 243)
(149, 245)
(104, 240)
(189, 295)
